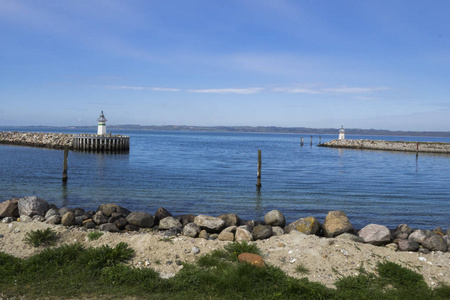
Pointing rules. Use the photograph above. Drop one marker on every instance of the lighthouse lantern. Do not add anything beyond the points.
(101, 124)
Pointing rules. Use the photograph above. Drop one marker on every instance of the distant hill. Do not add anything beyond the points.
(274, 129)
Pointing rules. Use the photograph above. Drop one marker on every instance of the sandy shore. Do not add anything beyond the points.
(325, 258)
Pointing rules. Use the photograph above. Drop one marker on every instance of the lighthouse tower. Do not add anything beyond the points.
(341, 133)
(101, 124)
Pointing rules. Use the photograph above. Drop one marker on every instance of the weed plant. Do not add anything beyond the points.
(72, 271)
(94, 235)
(37, 238)
(301, 269)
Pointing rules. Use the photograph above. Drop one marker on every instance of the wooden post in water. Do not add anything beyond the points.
(311, 140)
(320, 140)
(66, 153)
(301, 141)
(258, 174)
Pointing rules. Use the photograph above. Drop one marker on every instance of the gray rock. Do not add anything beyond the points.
(25, 219)
(130, 227)
(435, 243)
(79, 212)
(109, 209)
(89, 225)
(195, 250)
(140, 219)
(230, 229)
(275, 218)
(63, 210)
(54, 219)
(213, 236)
(309, 225)
(336, 223)
(230, 219)
(7, 219)
(68, 219)
(277, 231)
(169, 222)
(114, 217)
(100, 218)
(439, 230)
(418, 236)
(209, 223)
(31, 206)
(174, 231)
(448, 232)
(9, 208)
(226, 236)
(203, 234)
(262, 232)
(186, 219)
(375, 234)
(242, 234)
(121, 223)
(447, 240)
(38, 218)
(350, 237)
(392, 246)
(160, 214)
(109, 227)
(402, 232)
(192, 230)
(407, 245)
(78, 220)
(51, 212)
(423, 250)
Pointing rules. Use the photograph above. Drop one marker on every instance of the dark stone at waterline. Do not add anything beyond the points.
(186, 219)
(230, 219)
(275, 218)
(336, 223)
(31, 206)
(109, 209)
(402, 232)
(309, 225)
(160, 214)
(262, 232)
(9, 208)
(140, 219)
(435, 243)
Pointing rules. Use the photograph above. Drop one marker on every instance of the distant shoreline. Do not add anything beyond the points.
(253, 129)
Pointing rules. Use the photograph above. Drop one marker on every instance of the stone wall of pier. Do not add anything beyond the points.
(37, 139)
(427, 147)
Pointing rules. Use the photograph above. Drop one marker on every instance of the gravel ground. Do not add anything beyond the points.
(325, 258)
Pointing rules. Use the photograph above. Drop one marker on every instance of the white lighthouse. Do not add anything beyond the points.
(341, 133)
(101, 124)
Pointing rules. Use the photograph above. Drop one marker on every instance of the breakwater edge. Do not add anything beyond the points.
(406, 146)
(37, 139)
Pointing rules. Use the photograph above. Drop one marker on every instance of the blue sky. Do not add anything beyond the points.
(362, 64)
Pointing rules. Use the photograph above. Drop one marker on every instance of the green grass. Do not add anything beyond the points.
(94, 235)
(37, 238)
(73, 271)
(301, 269)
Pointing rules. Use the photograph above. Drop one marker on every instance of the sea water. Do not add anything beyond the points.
(215, 173)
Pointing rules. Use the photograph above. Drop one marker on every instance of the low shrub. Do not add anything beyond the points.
(37, 238)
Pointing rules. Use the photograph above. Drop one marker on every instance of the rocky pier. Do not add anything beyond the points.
(423, 147)
(37, 139)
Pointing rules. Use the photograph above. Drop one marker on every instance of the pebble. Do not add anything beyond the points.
(195, 250)
(422, 258)
(343, 251)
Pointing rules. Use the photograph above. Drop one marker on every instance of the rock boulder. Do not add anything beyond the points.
(336, 223)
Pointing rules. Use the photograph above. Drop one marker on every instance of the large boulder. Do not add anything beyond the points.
(262, 232)
(68, 219)
(243, 235)
(435, 243)
(418, 236)
(275, 218)
(309, 225)
(209, 223)
(32, 206)
(109, 209)
(9, 208)
(407, 245)
(160, 214)
(169, 222)
(336, 223)
(186, 219)
(227, 234)
(100, 218)
(192, 230)
(140, 219)
(230, 219)
(375, 234)
(402, 232)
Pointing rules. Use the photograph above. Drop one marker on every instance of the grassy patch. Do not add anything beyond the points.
(94, 235)
(301, 269)
(73, 271)
(37, 238)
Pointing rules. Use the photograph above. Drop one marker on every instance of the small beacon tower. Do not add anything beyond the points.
(341, 133)
(101, 124)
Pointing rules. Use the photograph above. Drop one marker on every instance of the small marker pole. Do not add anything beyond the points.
(258, 174)
(66, 153)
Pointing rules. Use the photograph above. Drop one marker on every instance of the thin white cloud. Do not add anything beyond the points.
(246, 91)
(355, 90)
(295, 90)
(126, 87)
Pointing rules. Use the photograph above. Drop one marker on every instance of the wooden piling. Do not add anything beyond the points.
(311, 140)
(320, 140)
(301, 141)
(258, 174)
(66, 153)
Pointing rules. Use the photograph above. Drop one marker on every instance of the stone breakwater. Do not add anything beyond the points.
(37, 139)
(226, 227)
(427, 147)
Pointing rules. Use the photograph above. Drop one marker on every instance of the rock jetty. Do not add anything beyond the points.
(426, 147)
(226, 227)
(37, 139)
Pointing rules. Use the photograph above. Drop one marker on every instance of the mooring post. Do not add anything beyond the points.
(258, 174)
(311, 140)
(417, 150)
(320, 140)
(66, 153)
(301, 141)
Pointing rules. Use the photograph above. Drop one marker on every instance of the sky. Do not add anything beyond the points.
(374, 64)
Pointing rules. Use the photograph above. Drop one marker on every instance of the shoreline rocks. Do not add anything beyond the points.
(227, 227)
(37, 139)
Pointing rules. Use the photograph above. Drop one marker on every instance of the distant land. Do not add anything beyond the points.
(262, 129)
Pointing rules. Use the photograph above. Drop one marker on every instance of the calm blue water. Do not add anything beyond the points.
(215, 173)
